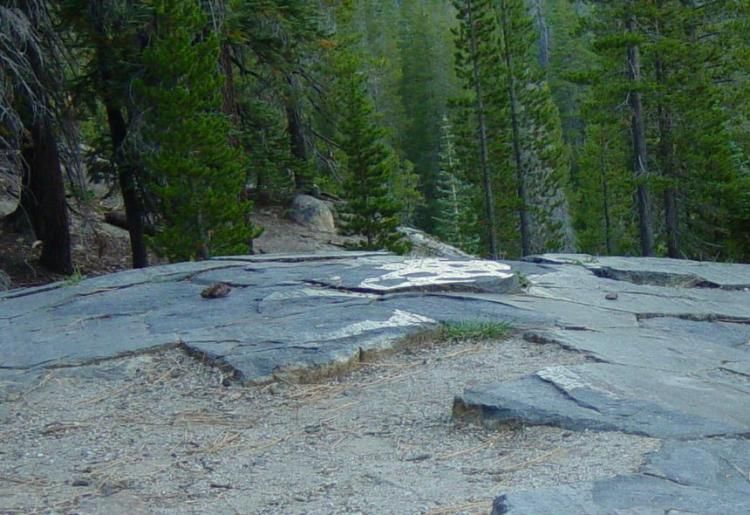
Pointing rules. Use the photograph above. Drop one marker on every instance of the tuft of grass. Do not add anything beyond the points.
(523, 281)
(474, 330)
(74, 278)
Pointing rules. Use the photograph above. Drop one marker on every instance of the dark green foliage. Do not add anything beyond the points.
(422, 98)
(479, 67)
(604, 210)
(194, 172)
(370, 167)
(693, 110)
(188, 102)
(522, 159)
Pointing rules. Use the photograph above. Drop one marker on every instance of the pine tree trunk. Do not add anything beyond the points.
(297, 142)
(126, 172)
(604, 182)
(228, 93)
(43, 198)
(523, 213)
(483, 143)
(640, 156)
(666, 157)
(127, 175)
(544, 35)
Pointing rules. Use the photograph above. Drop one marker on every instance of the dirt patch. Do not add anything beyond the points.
(281, 235)
(99, 248)
(161, 433)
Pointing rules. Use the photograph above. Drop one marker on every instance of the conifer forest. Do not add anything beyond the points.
(502, 127)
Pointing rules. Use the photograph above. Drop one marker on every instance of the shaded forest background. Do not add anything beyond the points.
(504, 127)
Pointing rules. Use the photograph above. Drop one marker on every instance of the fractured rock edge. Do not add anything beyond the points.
(76, 324)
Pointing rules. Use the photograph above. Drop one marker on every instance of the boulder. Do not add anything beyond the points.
(424, 244)
(313, 213)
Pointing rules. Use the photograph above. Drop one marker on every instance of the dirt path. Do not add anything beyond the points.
(161, 434)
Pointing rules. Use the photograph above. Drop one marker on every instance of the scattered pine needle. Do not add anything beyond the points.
(471, 350)
(473, 507)
(223, 441)
(491, 442)
(118, 391)
(559, 451)
(23, 481)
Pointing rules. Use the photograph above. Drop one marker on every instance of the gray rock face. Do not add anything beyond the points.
(707, 477)
(4, 281)
(669, 358)
(667, 343)
(285, 314)
(313, 213)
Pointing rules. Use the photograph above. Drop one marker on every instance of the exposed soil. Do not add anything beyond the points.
(159, 433)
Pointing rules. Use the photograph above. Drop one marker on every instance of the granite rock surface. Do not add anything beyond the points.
(667, 344)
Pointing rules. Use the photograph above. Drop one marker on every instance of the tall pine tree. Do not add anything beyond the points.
(196, 175)
(455, 219)
(370, 164)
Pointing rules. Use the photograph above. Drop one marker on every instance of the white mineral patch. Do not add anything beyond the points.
(429, 271)
(317, 292)
(567, 380)
(398, 319)
(563, 377)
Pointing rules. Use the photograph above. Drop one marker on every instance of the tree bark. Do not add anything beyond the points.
(544, 34)
(297, 141)
(605, 197)
(640, 156)
(484, 158)
(523, 213)
(228, 93)
(43, 198)
(120, 219)
(667, 161)
(128, 177)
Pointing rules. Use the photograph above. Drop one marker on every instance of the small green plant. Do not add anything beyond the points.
(74, 278)
(474, 330)
(523, 280)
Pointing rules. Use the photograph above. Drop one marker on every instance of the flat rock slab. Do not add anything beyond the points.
(670, 356)
(669, 348)
(667, 342)
(707, 477)
(606, 397)
(284, 313)
(657, 271)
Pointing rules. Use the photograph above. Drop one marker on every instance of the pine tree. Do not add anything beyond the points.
(478, 66)
(605, 212)
(31, 109)
(370, 166)
(404, 188)
(522, 155)
(539, 160)
(667, 62)
(112, 37)
(422, 97)
(455, 220)
(195, 174)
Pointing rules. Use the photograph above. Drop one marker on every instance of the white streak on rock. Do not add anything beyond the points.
(563, 377)
(398, 319)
